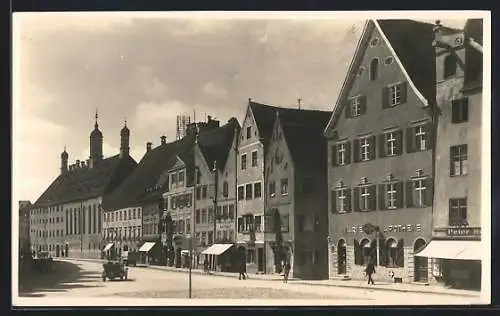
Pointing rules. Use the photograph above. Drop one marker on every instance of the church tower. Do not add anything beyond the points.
(64, 161)
(125, 140)
(95, 144)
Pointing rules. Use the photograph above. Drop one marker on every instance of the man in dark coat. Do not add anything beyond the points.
(242, 270)
(370, 269)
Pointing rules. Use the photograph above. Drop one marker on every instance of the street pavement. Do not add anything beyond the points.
(82, 279)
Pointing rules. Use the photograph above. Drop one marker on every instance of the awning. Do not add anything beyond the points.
(108, 246)
(217, 249)
(185, 252)
(147, 246)
(452, 249)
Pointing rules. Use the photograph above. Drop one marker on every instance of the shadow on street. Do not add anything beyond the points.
(63, 276)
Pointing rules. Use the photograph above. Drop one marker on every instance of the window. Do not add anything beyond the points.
(374, 69)
(198, 177)
(341, 154)
(418, 138)
(285, 223)
(458, 160)
(249, 132)
(211, 214)
(225, 213)
(258, 223)
(394, 95)
(241, 192)
(225, 189)
(181, 177)
(365, 149)
(241, 227)
(243, 161)
(458, 212)
(459, 111)
(450, 66)
(419, 192)
(342, 200)
(248, 191)
(272, 189)
(356, 106)
(391, 144)
(391, 195)
(364, 198)
(188, 225)
(198, 193)
(173, 178)
(204, 218)
(197, 217)
(394, 254)
(250, 256)
(284, 186)
(388, 60)
(210, 238)
(134, 213)
(254, 158)
(129, 214)
(257, 190)
(231, 211)
(374, 41)
(204, 191)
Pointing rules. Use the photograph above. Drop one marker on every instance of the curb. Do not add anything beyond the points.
(296, 281)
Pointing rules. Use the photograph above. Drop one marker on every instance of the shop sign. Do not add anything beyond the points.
(464, 231)
(225, 226)
(417, 228)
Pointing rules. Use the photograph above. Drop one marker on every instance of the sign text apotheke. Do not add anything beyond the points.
(357, 229)
(464, 231)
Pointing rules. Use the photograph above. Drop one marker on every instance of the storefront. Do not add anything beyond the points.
(389, 240)
(220, 257)
(456, 259)
(145, 253)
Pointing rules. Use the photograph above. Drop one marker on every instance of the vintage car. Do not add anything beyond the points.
(113, 270)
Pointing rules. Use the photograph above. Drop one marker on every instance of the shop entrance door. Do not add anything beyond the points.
(341, 257)
(420, 263)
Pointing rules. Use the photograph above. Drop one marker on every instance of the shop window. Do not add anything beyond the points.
(437, 267)
(362, 252)
(394, 253)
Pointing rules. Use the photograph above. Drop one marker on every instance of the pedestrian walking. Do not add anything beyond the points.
(370, 270)
(242, 270)
(205, 266)
(286, 271)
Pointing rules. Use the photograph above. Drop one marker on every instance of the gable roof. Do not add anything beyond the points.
(410, 42)
(85, 183)
(303, 132)
(216, 144)
(265, 116)
(143, 184)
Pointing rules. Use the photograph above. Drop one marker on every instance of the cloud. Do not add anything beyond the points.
(214, 91)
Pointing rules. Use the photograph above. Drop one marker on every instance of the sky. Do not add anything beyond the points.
(148, 70)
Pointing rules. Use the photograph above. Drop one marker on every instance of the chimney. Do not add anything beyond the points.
(148, 146)
(88, 163)
(163, 140)
(82, 164)
(209, 118)
(77, 163)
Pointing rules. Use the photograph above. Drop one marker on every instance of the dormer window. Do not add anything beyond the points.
(249, 132)
(450, 66)
(181, 176)
(374, 41)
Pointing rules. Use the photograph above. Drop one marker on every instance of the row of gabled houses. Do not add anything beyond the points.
(391, 175)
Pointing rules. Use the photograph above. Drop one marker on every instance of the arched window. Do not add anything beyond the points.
(450, 66)
(394, 253)
(374, 69)
(366, 250)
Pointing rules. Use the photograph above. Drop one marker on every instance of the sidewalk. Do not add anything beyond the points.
(398, 287)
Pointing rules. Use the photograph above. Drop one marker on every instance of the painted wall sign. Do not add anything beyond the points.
(417, 228)
(464, 231)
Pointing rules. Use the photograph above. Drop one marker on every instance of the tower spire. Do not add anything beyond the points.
(96, 117)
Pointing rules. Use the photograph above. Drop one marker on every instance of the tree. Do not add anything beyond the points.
(278, 246)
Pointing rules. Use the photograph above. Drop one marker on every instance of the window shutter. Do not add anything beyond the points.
(334, 156)
(399, 194)
(465, 110)
(373, 197)
(450, 213)
(362, 104)
(455, 111)
(399, 142)
(348, 200)
(429, 139)
(404, 92)
(356, 150)
(356, 198)
(372, 141)
(385, 97)
(429, 191)
(381, 146)
(381, 196)
(333, 197)
(347, 109)
(347, 152)
(410, 140)
(409, 193)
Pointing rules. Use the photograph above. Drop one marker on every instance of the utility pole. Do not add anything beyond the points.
(81, 227)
